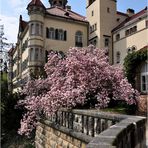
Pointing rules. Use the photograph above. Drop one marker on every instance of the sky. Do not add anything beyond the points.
(10, 11)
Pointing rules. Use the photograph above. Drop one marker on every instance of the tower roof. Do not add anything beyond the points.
(60, 3)
(36, 3)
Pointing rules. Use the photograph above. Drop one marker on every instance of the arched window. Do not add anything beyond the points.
(51, 33)
(118, 57)
(61, 34)
(78, 39)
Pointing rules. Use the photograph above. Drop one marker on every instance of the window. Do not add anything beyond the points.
(36, 54)
(41, 54)
(95, 26)
(144, 77)
(146, 23)
(106, 44)
(95, 42)
(78, 39)
(127, 32)
(117, 37)
(92, 13)
(134, 29)
(24, 64)
(129, 50)
(37, 29)
(61, 34)
(131, 30)
(41, 30)
(144, 82)
(108, 10)
(32, 31)
(51, 33)
(31, 54)
(134, 48)
(118, 57)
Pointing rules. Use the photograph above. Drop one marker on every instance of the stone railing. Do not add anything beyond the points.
(92, 129)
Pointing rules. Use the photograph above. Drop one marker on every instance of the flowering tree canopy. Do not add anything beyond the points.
(83, 74)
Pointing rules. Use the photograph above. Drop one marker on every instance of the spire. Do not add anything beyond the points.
(36, 3)
(60, 3)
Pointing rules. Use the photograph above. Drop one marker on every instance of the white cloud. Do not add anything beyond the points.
(10, 28)
(16, 3)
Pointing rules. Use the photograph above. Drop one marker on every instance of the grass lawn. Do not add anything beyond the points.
(117, 110)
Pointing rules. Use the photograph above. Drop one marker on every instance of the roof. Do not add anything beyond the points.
(36, 3)
(22, 24)
(143, 48)
(10, 52)
(121, 13)
(130, 19)
(65, 13)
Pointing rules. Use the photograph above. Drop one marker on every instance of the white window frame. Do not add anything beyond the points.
(146, 83)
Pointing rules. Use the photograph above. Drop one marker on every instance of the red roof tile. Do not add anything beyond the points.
(60, 12)
(130, 18)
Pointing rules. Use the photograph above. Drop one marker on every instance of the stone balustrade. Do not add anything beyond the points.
(91, 129)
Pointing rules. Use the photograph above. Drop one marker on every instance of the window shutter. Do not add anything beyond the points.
(65, 35)
(47, 32)
(56, 34)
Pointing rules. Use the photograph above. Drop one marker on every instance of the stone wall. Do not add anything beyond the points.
(49, 137)
(91, 129)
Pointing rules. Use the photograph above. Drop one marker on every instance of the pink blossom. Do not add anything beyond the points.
(69, 81)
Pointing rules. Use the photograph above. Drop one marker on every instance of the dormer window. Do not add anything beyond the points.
(67, 14)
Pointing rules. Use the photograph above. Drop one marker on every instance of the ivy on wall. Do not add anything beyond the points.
(132, 61)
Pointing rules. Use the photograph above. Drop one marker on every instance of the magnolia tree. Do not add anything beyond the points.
(82, 75)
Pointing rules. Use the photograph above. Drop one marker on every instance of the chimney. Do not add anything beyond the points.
(68, 7)
(130, 12)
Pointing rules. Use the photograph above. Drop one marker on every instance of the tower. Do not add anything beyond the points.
(36, 11)
(101, 15)
(60, 3)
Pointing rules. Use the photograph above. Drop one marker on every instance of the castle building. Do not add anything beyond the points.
(56, 28)
(59, 28)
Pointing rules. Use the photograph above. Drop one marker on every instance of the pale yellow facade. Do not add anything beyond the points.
(30, 53)
(127, 43)
(102, 28)
(71, 28)
(102, 17)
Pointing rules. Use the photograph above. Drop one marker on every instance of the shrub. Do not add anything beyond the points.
(83, 77)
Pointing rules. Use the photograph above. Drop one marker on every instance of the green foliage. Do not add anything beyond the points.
(10, 117)
(131, 62)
